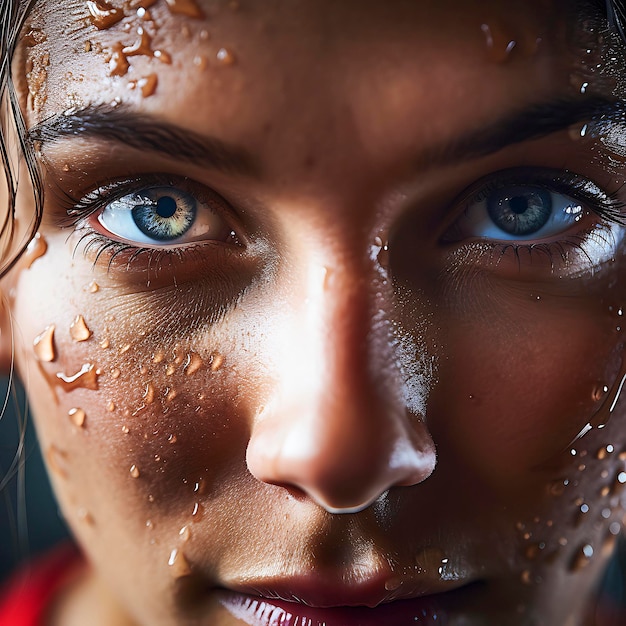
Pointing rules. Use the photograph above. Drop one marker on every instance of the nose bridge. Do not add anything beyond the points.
(336, 426)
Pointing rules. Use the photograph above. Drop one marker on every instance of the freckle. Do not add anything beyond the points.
(77, 416)
(36, 248)
(185, 7)
(115, 373)
(124, 348)
(103, 15)
(170, 370)
(134, 471)
(148, 395)
(43, 345)
(79, 331)
(225, 57)
(217, 360)
(111, 407)
(163, 56)
(178, 564)
(125, 430)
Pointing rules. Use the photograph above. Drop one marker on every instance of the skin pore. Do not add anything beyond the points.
(337, 387)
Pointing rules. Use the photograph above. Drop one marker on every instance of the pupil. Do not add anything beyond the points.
(166, 207)
(519, 205)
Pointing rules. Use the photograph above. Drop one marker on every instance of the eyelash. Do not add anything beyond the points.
(76, 214)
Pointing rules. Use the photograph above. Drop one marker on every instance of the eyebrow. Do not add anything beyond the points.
(122, 125)
(144, 132)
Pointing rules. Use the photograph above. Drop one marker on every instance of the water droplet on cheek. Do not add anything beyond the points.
(217, 360)
(185, 533)
(35, 250)
(78, 417)
(179, 566)
(582, 558)
(148, 396)
(43, 345)
(134, 471)
(79, 331)
(225, 57)
(193, 364)
(86, 377)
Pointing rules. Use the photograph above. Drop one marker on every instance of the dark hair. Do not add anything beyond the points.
(13, 14)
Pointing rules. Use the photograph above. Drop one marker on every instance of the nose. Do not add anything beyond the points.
(336, 426)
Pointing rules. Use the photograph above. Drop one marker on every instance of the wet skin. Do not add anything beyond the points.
(358, 396)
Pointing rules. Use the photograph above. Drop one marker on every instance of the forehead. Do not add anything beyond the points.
(367, 71)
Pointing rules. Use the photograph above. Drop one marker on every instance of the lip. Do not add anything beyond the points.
(313, 601)
(430, 610)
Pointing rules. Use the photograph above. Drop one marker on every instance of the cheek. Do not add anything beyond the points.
(135, 424)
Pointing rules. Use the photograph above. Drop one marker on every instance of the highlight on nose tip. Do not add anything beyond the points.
(340, 487)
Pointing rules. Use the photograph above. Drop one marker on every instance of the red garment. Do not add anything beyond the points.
(29, 595)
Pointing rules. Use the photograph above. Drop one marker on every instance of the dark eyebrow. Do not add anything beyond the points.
(144, 132)
(532, 122)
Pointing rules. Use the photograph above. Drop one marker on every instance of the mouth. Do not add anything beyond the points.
(316, 609)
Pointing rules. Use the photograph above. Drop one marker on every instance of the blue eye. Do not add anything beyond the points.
(162, 216)
(516, 212)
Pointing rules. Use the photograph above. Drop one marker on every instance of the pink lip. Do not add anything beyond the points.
(328, 605)
(432, 610)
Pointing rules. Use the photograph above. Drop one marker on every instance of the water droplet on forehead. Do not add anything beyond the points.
(103, 15)
(79, 331)
(78, 416)
(43, 345)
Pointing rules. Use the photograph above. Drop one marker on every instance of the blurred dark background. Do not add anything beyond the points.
(30, 521)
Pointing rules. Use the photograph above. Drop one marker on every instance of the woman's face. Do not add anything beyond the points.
(328, 303)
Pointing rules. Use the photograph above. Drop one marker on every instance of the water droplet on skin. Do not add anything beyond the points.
(604, 452)
(188, 8)
(124, 349)
(93, 287)
(125, 430)
(77, 416)
(103, 15)
(526, 577)
(615, 529)
(563, 541)
(197, 511)
(163, 56)
(134, 471)
(79, 331)
(148, 396)
(170, 395)
(225, 57)
(499, 47)
(43, 345)
(606, 513)
(179, 566)
(599, 391)
(86, 377)
(57, 459)
(582, 558)
(149, 524)
(193, 364)
(85, 517)
(115, 373)
(170, 369)
(204, 35)
(36, 248)
(557, 488)
(393, 584)
(605, 491)
(217, 360)
(118, 63)
(171, 439)
(158, 357)
(532, 551)
(148, 85)
(185, 533)
(200, 62)
(142, 47)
